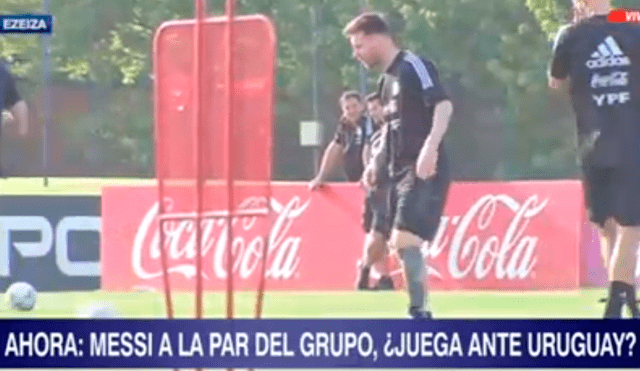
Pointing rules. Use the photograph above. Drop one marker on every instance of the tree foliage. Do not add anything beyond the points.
(496, 51)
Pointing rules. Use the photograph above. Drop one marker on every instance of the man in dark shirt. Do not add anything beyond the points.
(417, 113)
(348, 143)
(598, 63)
(12, 107)
(375, 218)
(374, 108)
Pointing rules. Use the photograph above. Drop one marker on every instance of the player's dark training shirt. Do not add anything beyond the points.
(602, 62)
(410, 90)
(8, 93)
(352, 140)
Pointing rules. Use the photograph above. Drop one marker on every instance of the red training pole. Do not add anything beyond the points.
(229, 144)
(160, 175)
(197, 119)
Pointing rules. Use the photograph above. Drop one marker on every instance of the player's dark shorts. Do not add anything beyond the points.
(416, 204)
(375, 216)
(612, 193)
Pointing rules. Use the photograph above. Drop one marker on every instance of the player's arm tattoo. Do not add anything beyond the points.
(380, 150)
(366, 154)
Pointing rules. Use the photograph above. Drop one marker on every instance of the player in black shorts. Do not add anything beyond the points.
(417, 113)
(10, 100)
(375, 218)
(598, 63)
(352, 134)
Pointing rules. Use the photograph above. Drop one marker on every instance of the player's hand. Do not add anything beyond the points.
(345, 120)
(427, 161)
(369, 177)
(23, 130)
(316, 183)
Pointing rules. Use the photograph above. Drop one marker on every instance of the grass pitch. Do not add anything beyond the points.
(65, 186)
(389, 304)
(446, 305)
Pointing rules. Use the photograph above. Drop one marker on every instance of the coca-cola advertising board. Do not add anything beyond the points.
(495, 236)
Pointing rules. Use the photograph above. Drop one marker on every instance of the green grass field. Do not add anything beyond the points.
(467, 304)
(64, 186)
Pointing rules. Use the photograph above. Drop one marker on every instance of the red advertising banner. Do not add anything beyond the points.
(515, 235)
(495, 236)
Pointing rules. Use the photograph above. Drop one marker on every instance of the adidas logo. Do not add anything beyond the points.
(608, 54)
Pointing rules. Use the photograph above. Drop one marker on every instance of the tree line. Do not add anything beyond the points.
(493, 54)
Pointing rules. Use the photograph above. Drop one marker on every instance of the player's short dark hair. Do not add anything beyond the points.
(351, 94)
(368, 23)
(373, 97)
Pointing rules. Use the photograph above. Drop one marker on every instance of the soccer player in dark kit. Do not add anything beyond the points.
(347, 146)
(375, 218)
(12, 103)
(417, 113)
(598, 64)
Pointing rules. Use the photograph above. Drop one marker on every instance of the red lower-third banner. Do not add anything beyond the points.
(519, 235)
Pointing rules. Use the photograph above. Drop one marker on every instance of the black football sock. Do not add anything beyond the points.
(617, 298)
(630, 294)
(363, 282)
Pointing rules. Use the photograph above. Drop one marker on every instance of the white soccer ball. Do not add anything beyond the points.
(21, 296)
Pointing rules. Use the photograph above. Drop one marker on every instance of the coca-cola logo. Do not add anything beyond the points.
(283, 257)
(477, 248)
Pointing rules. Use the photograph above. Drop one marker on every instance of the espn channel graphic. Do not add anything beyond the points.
(26, 24)
(50, 242)
(318, 344)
